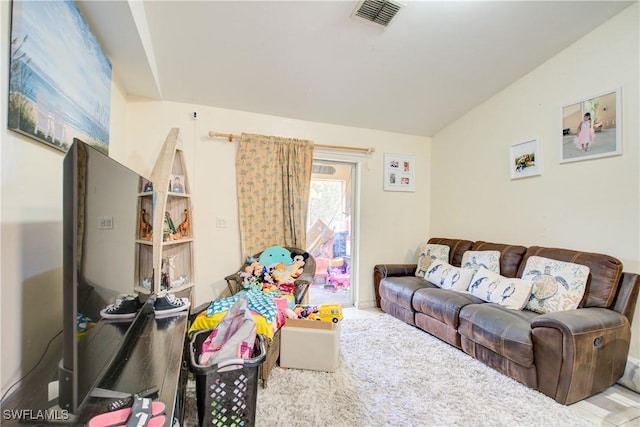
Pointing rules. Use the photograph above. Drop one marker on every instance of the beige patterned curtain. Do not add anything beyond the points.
(274, 176)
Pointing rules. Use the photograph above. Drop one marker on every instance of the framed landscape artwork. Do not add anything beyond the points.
(524, 159)
(591, 128)
(399, 172)
(60, 79)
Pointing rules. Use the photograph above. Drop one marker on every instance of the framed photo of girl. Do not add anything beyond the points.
(591, 128)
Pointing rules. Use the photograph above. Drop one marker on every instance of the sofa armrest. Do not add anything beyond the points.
(381, 271)
(581, 320)
(234, 283)
(579, 352)
(627, 297)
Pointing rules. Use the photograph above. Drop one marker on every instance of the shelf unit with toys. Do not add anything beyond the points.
(164, 253)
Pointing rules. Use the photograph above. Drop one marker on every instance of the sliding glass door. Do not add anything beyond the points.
(329, 231)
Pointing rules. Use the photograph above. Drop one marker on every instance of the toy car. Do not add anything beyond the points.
(327, 313)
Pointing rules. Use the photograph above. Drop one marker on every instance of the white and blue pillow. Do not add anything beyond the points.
(447, 276)
(509, 292)
(477, 259)
(428, 253)
(557, 285)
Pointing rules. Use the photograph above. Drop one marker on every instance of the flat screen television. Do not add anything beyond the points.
(100, 201)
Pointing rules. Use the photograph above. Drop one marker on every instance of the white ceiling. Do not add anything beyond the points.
(310, 60)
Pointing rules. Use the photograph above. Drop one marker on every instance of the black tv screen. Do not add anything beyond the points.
(100, 203)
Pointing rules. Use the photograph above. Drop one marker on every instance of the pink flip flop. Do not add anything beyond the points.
(157, 421)
(121, 417)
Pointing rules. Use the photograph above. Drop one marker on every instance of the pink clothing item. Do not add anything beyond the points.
(283, 303)
(586, 135)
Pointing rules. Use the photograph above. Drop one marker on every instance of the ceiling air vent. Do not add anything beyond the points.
(380, 12)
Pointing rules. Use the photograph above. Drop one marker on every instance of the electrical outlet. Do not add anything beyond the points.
(221, 222)
(105, 223)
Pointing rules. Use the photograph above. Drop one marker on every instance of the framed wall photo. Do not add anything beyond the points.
(399, 172)
(591, 128)
(147, 185)
(524, 159)
(60, 79)
(176, 183)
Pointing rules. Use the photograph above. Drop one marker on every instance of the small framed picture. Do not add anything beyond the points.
(524, 159)
(399, 172)
(591, 128)
(176, 184)
(147, 185)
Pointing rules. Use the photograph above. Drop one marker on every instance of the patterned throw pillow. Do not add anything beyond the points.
(557, 285)
(487, 259)
(429, 252)
(508, 292)
(447, 276)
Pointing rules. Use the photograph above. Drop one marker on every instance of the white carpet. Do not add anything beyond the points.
(392, 374)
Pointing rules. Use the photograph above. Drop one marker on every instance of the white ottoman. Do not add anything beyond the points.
(309, 344)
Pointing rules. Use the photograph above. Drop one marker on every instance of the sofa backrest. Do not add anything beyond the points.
(510, 256)
(604, 272)
(457, 248)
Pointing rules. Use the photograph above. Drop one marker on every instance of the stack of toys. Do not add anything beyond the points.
(275, 270)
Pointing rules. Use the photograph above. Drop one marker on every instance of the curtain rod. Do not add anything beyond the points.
(231, 137)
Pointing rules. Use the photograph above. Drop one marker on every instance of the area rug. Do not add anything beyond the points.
(393, 374)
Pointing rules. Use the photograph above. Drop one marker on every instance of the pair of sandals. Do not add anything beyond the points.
(143, 413)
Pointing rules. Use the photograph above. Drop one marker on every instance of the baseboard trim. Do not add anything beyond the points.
(365, 304)
(631, 377)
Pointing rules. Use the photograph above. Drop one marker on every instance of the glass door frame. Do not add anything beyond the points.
(356, 167)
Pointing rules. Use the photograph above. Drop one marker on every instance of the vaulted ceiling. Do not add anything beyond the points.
(311, 60)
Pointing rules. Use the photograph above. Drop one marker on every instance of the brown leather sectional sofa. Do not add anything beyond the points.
(567, 355)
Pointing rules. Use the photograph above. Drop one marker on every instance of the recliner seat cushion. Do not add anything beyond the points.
(501, 330)
(400, 289)
(443, 305)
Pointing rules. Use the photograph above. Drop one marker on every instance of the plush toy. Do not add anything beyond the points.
(290, 314)
(298, 262)
(267, 276)
(281, 276)
(288, 274)
(303, 311)
(275, 255)
(300, 258)
(287, 288)
(252, 269)
(252, 275)
(275, 270)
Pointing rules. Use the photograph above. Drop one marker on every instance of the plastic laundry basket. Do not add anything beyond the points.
(227, 391)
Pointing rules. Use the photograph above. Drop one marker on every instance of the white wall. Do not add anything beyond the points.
(590, 205)
(31, 237)
(31, 232)
(392, 224)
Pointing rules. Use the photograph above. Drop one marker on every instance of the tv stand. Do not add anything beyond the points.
(96, 392)
(152, 357)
